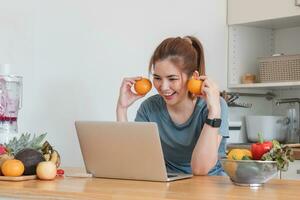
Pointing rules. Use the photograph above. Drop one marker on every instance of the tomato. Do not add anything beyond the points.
(60, 172)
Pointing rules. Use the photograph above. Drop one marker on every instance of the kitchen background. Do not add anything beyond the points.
(73, 55)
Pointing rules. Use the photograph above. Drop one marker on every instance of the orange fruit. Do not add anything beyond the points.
(12, 167)
(142, 86)
(3, 158)
(194, 86)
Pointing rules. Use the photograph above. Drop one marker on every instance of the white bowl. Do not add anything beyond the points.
(271, 127)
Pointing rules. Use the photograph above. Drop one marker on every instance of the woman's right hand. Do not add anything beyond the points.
(126, 96)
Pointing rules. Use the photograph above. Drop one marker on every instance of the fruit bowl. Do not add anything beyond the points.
(249, 172)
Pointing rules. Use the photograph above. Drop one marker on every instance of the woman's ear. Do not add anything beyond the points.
(196, 74)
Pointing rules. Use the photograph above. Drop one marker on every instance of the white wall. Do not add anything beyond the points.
(74, 53)
(287, 40)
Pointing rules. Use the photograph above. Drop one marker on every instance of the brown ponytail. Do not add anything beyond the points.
(200, 54)
(187, 53)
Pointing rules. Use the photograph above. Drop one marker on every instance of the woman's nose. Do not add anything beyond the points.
(164, 85)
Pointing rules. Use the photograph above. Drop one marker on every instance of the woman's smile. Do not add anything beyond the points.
(169, 96)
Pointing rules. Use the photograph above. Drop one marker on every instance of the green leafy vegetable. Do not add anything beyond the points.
(282, 154)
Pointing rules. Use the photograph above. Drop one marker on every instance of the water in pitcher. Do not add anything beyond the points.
(10, 104)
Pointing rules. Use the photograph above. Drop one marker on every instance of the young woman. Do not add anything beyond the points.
(193, 129)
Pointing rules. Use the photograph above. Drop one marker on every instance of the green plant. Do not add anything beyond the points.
(282, 154)
(25, 141)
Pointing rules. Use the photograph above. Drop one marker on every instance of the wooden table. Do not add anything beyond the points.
(201, 187)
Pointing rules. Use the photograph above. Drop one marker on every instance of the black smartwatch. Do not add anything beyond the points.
(216, 123)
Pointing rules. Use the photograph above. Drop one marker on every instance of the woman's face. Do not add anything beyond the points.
(170, 82)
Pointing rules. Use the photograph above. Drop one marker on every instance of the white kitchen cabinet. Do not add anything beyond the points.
(293, 171)
(248, 11)
(260, 28)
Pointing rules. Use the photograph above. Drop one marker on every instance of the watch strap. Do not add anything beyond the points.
(216, 122)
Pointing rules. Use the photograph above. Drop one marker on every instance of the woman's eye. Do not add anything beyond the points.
(156, 78)
(173, 79)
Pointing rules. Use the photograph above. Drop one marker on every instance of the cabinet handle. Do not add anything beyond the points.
(297, 2)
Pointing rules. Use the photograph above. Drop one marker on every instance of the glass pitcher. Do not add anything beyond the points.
(10, 104)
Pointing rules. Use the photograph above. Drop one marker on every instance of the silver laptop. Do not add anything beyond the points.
(123, 150)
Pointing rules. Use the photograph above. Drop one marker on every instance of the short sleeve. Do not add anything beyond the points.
(224, 129)
(142, 114)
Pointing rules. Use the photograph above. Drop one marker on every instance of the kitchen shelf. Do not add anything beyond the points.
(247, 44)
(266, 85)
(280, 23)
(273, 28)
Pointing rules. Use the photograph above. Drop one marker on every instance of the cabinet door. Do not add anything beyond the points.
(244, 11)
(293, 171)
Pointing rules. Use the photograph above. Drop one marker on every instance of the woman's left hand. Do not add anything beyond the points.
(211, 94)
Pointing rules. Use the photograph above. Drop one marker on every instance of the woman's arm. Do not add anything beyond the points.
(205, 153)
(121, 114)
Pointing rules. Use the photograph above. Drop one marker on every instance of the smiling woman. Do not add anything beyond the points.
(193, 127)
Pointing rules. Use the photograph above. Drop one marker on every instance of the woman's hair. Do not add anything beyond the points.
(186, 53)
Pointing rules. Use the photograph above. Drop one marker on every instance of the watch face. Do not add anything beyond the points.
(217, 122)
(214, 122)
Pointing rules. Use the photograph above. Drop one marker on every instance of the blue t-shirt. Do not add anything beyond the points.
(178, 140)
